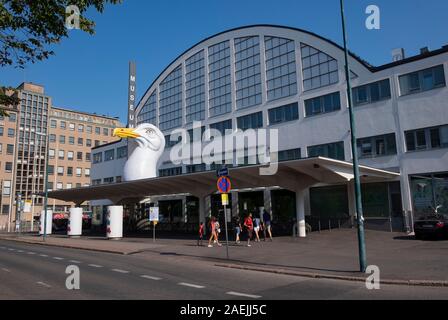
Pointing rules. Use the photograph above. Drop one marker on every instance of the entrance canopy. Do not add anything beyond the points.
(292, 175)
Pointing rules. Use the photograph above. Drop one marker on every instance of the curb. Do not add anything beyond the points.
(71, 247)
(422, 283)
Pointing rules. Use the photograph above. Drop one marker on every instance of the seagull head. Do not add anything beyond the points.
(146, 135)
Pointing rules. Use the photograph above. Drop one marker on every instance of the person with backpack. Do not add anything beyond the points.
(249, 225)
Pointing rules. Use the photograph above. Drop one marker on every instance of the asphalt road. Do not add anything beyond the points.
(38, 272)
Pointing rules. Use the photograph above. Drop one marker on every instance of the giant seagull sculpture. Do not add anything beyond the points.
(146, 147)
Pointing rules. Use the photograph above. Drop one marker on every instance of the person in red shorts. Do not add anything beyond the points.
(248, 223)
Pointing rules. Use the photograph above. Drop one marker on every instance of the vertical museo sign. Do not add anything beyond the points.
(131, 95)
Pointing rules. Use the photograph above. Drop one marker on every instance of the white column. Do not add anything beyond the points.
(115, 222)
(74, 228)
(300, 212)
(48, 222)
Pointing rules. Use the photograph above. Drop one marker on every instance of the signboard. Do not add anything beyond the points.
(222, 172)
(224, 185)
(27, 206)
(154, 214)
(225, 199)
(132, 95)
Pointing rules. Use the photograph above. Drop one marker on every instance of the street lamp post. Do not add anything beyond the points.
(46, 183)
(358, 201)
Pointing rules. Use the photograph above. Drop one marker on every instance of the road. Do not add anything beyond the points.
(38, 272)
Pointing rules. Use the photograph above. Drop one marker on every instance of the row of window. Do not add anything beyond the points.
(9, 149)
(70, 171)
(108, 180)
(60, 185)
(81, 127)
(111, 154)
(80, 141)
(11, 132)
(70, 155)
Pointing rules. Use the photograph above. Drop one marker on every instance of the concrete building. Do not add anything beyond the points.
(292, 80)
(23, 143)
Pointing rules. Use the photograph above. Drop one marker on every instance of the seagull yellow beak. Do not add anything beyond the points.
(125, 133)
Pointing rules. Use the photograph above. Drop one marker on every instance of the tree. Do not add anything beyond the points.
(28, 29)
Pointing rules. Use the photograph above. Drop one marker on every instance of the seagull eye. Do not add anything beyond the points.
(150, 131)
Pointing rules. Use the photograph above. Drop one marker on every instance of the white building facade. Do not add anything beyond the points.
(292, 80)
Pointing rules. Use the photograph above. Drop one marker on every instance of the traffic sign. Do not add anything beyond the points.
(222, 172)
(225, 199)
(154, 214)
(224, 184)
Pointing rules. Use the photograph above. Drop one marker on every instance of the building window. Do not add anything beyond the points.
(53, 123)
(62, 139)
(11, 132)
(422, 80)
(97, 157)
(281, 74)
(170, 172)
(79, 155)
(60, 171)
(52, 138)
(50, 170)
(78, 172)
(88, 155)
(222, 126)
(63, 125)
(68, 186)
(196, 168)
(8, 166)
(148, 114)
(122, 152)
(330, 150)
(9, 149)
(97, 130)
(80, 141)
(87, 172)
(170, 104)
(108, 180)
(51, 153)
(69, 171)
(287, 155)
(195, 87)
(319, 69)
(97, 143)
(1, 131)
(109, 155)
(59, 186)
(70, 155)
(247, 72)
(323, 104)
(5, 209)
(89, 129)
(96, 182)
(372, 92)
(251, 121)
(71, 126)
(71, 140)
(61, 154)
(6, 188)
(285, 113)
(105, 131)
(88, 142)
(377, 146)
(427, 138)
(80, 128)
(220, 96)
(12, 117)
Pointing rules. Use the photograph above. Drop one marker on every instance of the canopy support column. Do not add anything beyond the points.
(300, 212)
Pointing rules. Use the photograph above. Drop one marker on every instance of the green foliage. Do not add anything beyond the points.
(28, 29)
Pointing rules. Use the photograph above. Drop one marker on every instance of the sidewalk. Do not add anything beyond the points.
(334, 254)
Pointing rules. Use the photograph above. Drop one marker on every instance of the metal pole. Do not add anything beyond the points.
(46, 186)
(153, 231)
(227, 234)
(18, 217)
(358, 201)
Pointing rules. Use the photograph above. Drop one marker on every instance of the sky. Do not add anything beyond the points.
(90, 73)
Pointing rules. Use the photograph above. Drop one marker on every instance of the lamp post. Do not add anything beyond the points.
(358, 201)
(47, 145)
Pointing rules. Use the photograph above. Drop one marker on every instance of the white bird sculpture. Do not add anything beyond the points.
(146, 147)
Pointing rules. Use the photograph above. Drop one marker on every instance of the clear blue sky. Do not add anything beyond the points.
(89, 73)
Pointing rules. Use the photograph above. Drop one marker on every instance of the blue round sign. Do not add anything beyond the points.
(224, 184)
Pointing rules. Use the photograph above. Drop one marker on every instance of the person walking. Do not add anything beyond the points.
(267, 224)
(212, 232)
(248, 224)
(201, 233)
(217, 232)
(237, 222)
(257, 226)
